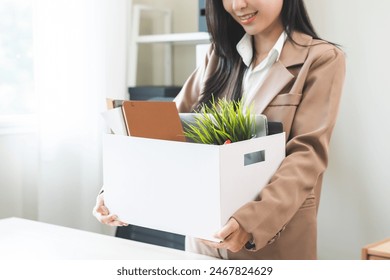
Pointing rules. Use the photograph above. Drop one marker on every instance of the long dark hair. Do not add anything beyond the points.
(226, 33)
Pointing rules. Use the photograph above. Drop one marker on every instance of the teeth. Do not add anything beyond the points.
(247, 16)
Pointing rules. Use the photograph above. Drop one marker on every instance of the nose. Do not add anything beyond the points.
(238, 5)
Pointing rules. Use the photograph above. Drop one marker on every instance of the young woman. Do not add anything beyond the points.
(267, 53)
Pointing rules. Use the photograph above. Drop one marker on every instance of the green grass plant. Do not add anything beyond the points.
(220, 121)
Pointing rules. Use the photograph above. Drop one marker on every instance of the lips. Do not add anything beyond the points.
(248, 18)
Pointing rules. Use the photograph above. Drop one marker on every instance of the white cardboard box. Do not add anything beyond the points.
(185, 188)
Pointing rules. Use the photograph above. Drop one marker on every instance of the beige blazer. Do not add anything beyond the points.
(302, 90)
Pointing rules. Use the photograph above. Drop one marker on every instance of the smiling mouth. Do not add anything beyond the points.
(248, 17)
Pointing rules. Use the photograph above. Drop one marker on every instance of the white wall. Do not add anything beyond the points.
(355, 208)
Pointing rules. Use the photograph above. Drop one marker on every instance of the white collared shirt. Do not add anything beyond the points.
(254, 77)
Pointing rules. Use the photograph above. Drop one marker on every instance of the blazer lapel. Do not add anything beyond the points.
(277, 79)
(279, 75)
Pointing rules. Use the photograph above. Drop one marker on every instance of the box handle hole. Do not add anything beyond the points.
(255, 157)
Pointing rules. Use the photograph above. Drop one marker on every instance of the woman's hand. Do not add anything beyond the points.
(233, 237)
(100, 211)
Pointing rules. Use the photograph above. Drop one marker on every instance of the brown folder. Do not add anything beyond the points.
(151, 119)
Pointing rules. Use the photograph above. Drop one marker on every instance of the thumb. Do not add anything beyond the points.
(230, 227)
(101, 208)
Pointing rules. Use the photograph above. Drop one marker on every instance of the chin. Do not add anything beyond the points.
(252, 31)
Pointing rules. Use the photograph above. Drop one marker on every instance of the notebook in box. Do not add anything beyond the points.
(150, 119)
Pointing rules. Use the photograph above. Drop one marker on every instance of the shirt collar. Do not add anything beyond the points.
(245, 49)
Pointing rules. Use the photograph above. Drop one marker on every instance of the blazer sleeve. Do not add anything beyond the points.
(306, 151)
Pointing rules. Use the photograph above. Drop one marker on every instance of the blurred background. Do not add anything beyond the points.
(60, 59)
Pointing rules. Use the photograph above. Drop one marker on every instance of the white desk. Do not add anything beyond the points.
(22, 239)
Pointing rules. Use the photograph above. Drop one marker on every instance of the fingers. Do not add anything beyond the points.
(100, 207)
(232, 243)
(232, 235)
(103, 210)
(217, 245)
(112, 220)
(230, 227)
(102, 214)
(100, 210)
(229, 243)
(226, 235)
